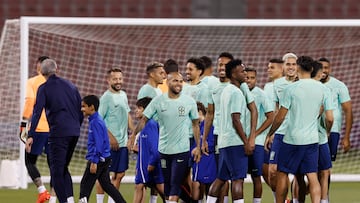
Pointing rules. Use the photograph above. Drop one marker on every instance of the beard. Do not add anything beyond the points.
(324, 78)
(116, 87)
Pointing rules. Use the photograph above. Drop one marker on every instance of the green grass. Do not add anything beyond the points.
(341, 192)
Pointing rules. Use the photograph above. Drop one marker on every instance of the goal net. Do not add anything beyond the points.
(85, 48)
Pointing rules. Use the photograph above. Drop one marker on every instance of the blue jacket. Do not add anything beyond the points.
(148, 144)
(98, 140)
(62, 103)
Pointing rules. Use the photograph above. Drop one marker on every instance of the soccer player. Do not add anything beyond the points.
(300, 150)
(204, 172)
(172, 111)
(156, 75)
(275, 71)
(280, 84)
(341, 97)
(115, 110)
(170, 66)
(232, 141)
(98, 155)
(196, 88)
(265, 110)
(207, 77)
(62, 103)
(40, 141)
(148, 169)
(213, 113)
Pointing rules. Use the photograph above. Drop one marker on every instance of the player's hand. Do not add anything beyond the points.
(23, 131)
(93, 168)
(114, 145)
(150, 168)
(28, 144)
(205, 148)
(345, 143)
(247, 148)
(251, 141)
(196, 153)
(268, 142)
(130, 144)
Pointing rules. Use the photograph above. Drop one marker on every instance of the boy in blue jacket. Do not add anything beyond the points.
(148, 169)
(98, 154)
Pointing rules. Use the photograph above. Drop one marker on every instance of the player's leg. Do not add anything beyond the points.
(255, 164)
(86, 184)
(281, 187)
(309, 166)
(139, 192)
(179, 168)
(324, 170)
(67, 176)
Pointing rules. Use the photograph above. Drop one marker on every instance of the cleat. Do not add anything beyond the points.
(43, 197)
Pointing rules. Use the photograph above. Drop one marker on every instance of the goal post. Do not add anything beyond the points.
(86, 47)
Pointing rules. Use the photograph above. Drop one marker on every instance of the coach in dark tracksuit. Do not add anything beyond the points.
(62, 103)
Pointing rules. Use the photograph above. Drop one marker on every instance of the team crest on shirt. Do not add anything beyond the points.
(181, 111)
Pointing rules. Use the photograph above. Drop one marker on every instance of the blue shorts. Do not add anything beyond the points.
(333, 144)
(256, 161)
(40, 143)
(119, 160)
(298, 159)
(266, 157)
(233, 163)
(205, 170)
(174, 168)
(324, 157)
(149, 178)
(275, 148)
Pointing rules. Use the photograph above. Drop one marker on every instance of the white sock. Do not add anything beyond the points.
(172, 201)
(70, 200)
(226, 199)
(211, 199)
(41, 189)
(83, 200)
(239, 201)
(100, 198)
(52, 199)
(274, 195)
(153, 199)
(200, 201)
(257, 200)
(110, 200)
(324, 201)
(295, 200)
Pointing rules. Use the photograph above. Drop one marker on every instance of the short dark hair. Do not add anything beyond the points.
(42, 58)
(250, 68)
(305, 63)
(201, 107)
(198, 63)
(154, 65)
(227, 55)
(232, 65)
(276, 60)
(114, 69)
(143, 102)
(92, 100)
(316, 68)
(207, 61)
(171, 66)
(323, 59)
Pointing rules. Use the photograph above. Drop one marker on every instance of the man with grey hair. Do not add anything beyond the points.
(62, 103)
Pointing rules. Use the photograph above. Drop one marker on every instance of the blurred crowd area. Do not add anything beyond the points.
(254, 9)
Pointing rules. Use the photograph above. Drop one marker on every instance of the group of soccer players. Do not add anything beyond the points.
(198, 133)
(291, 127)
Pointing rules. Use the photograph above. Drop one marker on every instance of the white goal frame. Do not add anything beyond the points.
(25, 21)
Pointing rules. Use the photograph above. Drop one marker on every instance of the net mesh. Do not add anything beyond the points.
(84, 53)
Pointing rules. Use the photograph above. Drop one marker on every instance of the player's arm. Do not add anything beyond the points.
(279, 118)
(209, 118)
(269, 119)
(114, 145)
(235, 117)
(196, 152)
(130, 123)
(253, 123)
(140, 125)
(329, 120)
(347, 108)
